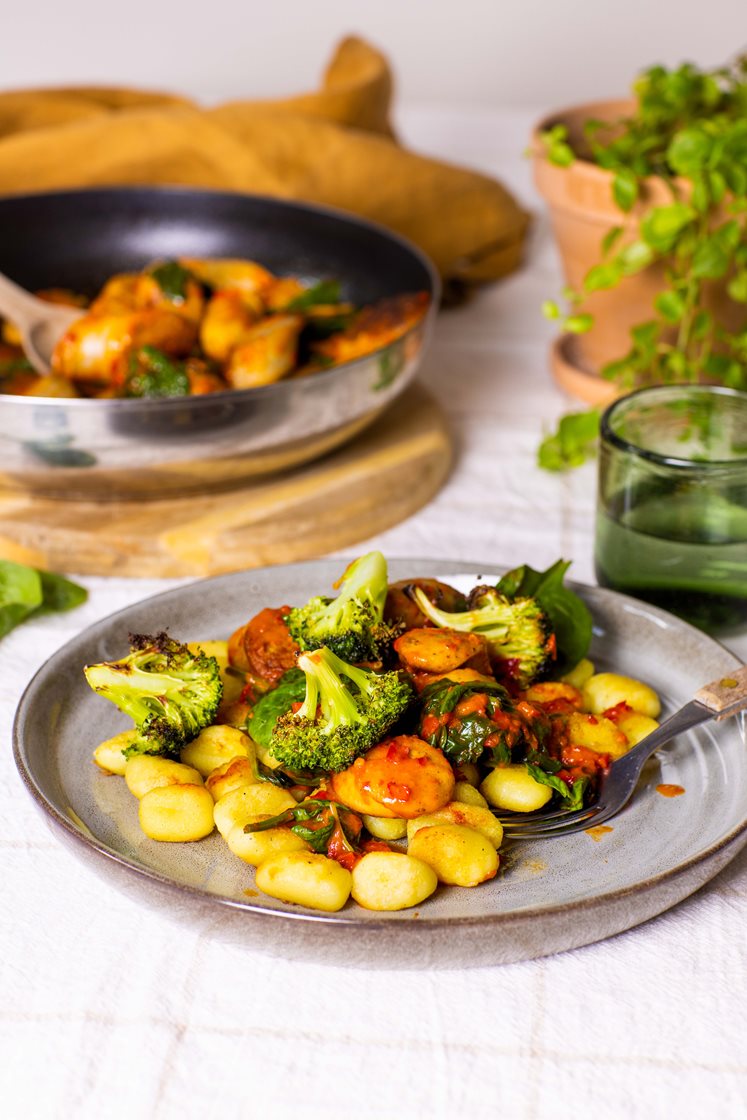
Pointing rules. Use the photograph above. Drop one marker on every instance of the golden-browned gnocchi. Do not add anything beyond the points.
(477, 817)
(635, 726)
(216, 745)
(255, 847)
(512, 787)
(392, 881)
(607, 690)
(176, 813)
(110, 756)
(258, 800)
(401, 777)
(230, 776)
(469, 795)
(596, 733)
(385, 828)
(144, 772)
(305, 878)
(459, 855)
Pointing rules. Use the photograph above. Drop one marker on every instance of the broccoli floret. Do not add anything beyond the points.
(169, 691)
(345, 712)
(518, 632)
(352, 625)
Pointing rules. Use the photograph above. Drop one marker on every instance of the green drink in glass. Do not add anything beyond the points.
(672, 503)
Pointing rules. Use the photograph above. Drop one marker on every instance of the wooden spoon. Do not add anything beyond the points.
(40, 324)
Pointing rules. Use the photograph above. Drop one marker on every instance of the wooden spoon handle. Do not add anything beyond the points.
(17, 304)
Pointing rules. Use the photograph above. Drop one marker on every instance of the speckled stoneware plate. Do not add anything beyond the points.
(550, 895)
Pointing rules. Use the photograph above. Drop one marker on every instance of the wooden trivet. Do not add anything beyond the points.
(382, 477)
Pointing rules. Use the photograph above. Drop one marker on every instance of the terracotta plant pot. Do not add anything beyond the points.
(582, 211)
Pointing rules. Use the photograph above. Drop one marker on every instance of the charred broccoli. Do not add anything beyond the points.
(352, 625)
(169, 691)
(346, 711)
(518, 632)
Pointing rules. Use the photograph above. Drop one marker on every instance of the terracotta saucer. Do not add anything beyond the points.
(576, 379)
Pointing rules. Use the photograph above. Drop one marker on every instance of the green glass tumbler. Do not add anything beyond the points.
(672, 502)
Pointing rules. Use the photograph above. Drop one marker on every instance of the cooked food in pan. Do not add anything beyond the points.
(193, 326)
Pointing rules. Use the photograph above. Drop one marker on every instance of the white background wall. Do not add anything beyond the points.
(495, 52)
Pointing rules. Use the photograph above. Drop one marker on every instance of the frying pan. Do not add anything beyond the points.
(107, 449)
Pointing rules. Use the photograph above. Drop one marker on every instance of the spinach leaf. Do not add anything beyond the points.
(326, 291)
(444, 695)
(20, 594)
(464, 741)
(573, 796)
(317, 838)
(171, 278)
(59, 593)
(307, 820)
(569, 616)
(291, 689)
(26, 591)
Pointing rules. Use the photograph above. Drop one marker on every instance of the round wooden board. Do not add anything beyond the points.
(380, 478)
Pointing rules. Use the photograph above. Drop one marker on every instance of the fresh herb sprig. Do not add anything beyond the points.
(689, 132)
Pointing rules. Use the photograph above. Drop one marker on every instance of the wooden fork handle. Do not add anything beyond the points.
(727, 695)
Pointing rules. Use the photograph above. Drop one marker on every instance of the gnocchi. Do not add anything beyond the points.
(459, 855)
(216, 745)
(606, 690)
(392, 881)
(476, 817)
(513, 787)
(256, 847)
(176, 813)
(145, 772)
(109, 755)
(306, 878)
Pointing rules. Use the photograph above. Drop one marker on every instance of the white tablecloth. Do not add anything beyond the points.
(108, 1011)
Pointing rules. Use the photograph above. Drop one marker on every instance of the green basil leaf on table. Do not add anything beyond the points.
(26, 591)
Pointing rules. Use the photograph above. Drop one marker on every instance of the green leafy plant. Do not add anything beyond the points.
(26, 591)
(689, 132)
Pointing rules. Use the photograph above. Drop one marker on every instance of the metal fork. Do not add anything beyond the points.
(717, 700)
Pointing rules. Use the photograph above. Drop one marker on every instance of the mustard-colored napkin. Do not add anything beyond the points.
(334, 147)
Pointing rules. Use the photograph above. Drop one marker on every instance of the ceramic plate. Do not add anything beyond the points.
(550, 895)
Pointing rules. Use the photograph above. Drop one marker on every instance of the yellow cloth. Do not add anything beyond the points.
(334, 147)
